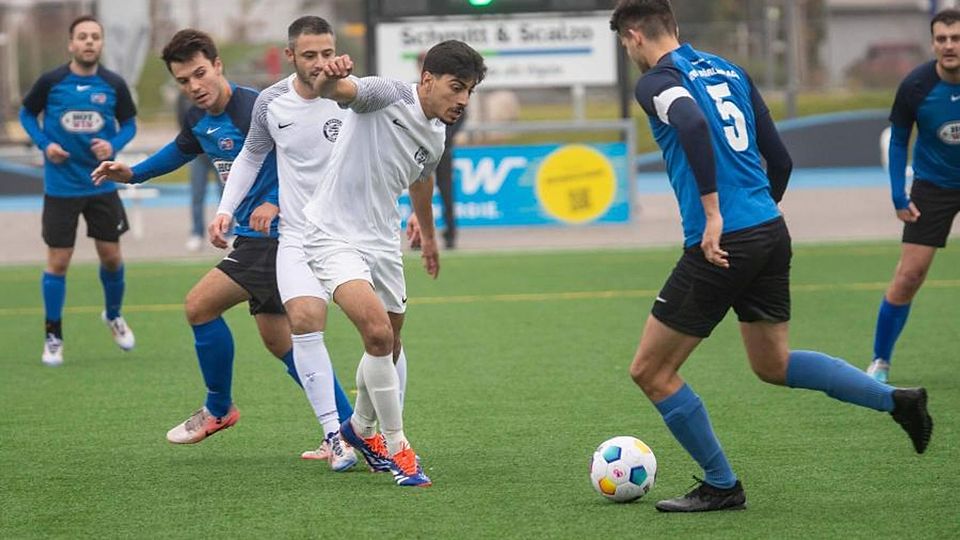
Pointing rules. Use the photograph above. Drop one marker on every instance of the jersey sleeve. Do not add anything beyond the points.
(259, 141)
(36, 99)
(661, 94)
(770, 145)
(125, 106)
(186, 141)
(904, 111)
(375, 93)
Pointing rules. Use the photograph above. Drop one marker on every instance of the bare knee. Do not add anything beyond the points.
(304, 317)
(649, 376)
(772, 371)
(378, 338)
(906, 283)
(196, 310)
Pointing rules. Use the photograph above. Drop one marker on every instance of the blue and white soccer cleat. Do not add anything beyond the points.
(52, 351)
(341, 453)
(880, 370)
(373, 450)
(407, 471)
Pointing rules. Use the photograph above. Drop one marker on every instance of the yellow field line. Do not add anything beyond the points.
(518, 297)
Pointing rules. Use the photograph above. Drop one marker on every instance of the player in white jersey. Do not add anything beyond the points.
(291, 118)
(391, 140)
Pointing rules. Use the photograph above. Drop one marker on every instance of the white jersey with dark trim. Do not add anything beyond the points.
(303, 131)
(386, 144)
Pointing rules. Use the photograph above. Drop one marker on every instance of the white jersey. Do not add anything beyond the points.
(386, 144)
(303, 132)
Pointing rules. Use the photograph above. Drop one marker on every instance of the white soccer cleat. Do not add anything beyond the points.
(194, 243)
(52, 351)
(122, 334)
(201, 425)
(342, 456)
(322, 453)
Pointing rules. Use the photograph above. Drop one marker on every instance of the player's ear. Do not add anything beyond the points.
(218, 65)
(427, 79)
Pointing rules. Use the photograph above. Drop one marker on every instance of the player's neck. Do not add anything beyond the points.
(83, 71)
(423, 104)
(221, 105)
(952, 77)
(303, 89)
(658, 49)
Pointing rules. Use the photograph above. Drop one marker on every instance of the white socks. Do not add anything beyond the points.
(401, 366)
(316, 374)
(382, 388)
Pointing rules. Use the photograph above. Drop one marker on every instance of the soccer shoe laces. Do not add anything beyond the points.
(195, 421)
(406, 461)
(378, 444)
(119, 326)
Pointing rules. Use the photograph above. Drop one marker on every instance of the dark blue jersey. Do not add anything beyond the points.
(704, 113)
(221, 137)
(934, 106)
(77, 109)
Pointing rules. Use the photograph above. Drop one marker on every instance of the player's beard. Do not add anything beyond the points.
(302, 74)
(87, 64)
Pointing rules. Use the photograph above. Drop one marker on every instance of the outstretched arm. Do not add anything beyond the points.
(332, 81)
(167, 159)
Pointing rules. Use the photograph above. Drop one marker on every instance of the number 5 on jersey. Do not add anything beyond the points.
(737, 133)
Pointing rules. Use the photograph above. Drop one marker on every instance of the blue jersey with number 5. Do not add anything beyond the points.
(725, 95)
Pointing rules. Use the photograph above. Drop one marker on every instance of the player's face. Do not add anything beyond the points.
(445, 97)
(86, 43)
(201, 80)
(946, 46)
(309, 54)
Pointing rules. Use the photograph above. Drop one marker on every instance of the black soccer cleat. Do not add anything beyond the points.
(910, 411)
(707, 498)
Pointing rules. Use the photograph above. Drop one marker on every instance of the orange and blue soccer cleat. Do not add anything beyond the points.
(373, 449)
(406, 469)
(201, 425)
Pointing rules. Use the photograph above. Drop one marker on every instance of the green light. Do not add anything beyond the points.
(478, 3)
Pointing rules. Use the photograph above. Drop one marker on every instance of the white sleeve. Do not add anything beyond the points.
(375, 93)
(243, 172)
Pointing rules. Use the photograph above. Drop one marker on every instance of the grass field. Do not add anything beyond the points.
(518, 369)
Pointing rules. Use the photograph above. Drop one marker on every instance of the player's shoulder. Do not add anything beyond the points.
(55, 75)
(193, 116)
(922, 76)
(275, 90)
(111, 77)
(664, 75)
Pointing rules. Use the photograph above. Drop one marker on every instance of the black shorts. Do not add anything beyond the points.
(104, 214)
(697, 295)
(938, 206)
(253, 265)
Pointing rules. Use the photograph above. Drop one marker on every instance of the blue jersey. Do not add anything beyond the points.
(77, 109)
(934, 106)
(723, 96)
(221, 137)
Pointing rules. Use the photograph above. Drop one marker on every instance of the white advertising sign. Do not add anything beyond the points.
(518, 52)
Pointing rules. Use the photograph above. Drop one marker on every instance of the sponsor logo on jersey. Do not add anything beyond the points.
(98, 98)
(421, 155)
(83, 87)
(211, 131)
(949, 133)
(281, 126)
(222, 167)
(82, 121)
(399, 124)
(225, 144)
(331, 129)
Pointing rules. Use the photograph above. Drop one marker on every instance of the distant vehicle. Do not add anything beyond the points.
(886, 64)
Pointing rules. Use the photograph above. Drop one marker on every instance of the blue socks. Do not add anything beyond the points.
(890, 322)
(687, 419)
(112, 291)
(214, 344)
(291, 367)
(54, 290)
(838, 379)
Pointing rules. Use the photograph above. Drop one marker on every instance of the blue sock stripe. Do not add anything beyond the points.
(344, 408)
(686, 416)
(817, 371)
(891, 319)
(291, 367)
(214, 344)
(54, 289)
(113, 286)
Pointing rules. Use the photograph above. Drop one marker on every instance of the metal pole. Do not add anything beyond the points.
(793, 55)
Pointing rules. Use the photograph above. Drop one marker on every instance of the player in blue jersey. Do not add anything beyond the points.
(217, 126)
(88, 116)
(713, 127)
(928, 98)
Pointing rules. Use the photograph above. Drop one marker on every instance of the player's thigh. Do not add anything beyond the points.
(938, 207)
(661, 352)
(214, 294)
(386, 269)
(765, 296)
(275, 333)
(106, 219)
(696, 295)
(59, 220)
(768, 349)
(253, 266)
(915, 259)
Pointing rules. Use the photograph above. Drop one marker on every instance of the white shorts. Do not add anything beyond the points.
(335, 263)
(294, 277)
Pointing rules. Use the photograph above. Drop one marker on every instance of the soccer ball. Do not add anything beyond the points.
(623, 469)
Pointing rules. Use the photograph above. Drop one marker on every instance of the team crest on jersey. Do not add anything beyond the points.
(331, 129)
(421, 155)
(949, 133)
(225, 144)
(222, 167)
(98, 98)
(82, 121)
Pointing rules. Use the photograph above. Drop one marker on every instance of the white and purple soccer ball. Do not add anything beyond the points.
(623, 469)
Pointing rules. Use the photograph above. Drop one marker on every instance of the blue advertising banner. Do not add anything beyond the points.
(537, 185)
